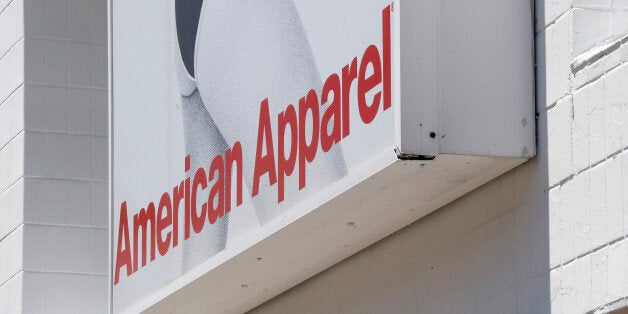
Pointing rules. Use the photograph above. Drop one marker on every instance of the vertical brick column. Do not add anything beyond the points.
(53, 156)
(11, 154)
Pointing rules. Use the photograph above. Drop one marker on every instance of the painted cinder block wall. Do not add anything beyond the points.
(53, 156)
(550, 235)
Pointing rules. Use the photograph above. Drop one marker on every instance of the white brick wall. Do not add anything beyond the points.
(11, 153)
(549, 236)
(53, 156)
(11, 295)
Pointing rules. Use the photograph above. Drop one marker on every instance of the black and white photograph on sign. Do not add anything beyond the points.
(251, 111)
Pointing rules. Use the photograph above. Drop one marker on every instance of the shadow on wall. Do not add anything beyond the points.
(487, 252)
(539, 293)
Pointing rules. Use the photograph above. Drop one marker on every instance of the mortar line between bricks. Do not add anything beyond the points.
(595, 250)
(11, 93)
(39, 224)
(11, 185)
(12, 276)
(40, 131)
(12, 46)
(595, 79)
(594, 55)
(608, 305)
(60, 272)
(545, 27)
(562, 182)
(11, 140)
(10, 232)
(552, 105)
(64, 179)
(6, 6)
(94, 88)
(66, 40)
(605, 159)
(591, 166)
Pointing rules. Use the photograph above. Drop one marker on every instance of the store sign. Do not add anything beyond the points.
(229, 115)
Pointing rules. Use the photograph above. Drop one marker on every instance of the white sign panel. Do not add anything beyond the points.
(228, 115)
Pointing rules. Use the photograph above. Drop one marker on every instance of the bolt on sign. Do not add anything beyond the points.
(248, 136)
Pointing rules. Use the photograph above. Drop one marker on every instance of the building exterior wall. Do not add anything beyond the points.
(11, 154)
(550, 235)
(53, 156)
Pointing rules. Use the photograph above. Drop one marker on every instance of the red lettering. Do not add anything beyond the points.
(307, 152)
(187, 199)
(365, 84)
(198, 220)
(286, 164)
(164, 222)
(123, 256)
(233, 155)
(264, 164)
(332, 85)
(386, 43)
(328, 128)
(178, 193)
(217, 190)
(349, 74)
(141, 220)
